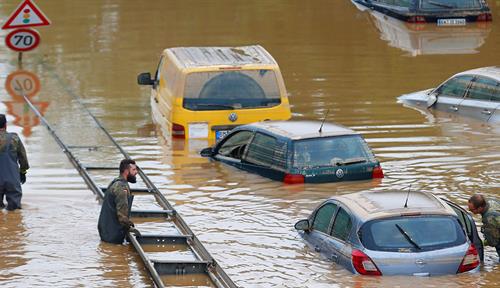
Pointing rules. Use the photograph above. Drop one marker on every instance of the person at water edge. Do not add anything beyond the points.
(13, 167)
(490, 213)
(114, 219)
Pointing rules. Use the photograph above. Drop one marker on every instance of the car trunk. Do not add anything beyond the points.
(358, 171)
(428, 263)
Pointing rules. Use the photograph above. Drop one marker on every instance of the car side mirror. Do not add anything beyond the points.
(303, 225)
(145, 79)
(207, 152)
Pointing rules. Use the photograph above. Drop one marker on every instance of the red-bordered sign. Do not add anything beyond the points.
(22, 40)
(22, 82)
(27, 14)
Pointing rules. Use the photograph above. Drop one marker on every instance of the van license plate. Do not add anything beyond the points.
(220, 134)
(451, 22)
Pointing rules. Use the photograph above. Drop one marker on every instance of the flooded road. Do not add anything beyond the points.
(332, 56)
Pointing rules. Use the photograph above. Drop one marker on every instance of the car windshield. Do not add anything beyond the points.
(412, 233)
(449, 4)
(331, 151)
(227, 90)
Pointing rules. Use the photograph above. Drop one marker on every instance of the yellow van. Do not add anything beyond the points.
(204, 92)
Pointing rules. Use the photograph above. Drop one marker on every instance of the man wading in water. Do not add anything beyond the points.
(13, 166)
(114, 222)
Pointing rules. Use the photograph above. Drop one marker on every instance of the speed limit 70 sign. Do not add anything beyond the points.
(23, 39)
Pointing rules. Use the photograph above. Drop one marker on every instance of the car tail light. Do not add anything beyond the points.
(363, 264)
(470, 261)
(416, 19)
(178, 131)
(377, 172)
(484, 17)
(293, 178)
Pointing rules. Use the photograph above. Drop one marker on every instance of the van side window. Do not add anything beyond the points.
(484, 89)
(323, 217)
(261, 150)
(342, 225)
(455, 87)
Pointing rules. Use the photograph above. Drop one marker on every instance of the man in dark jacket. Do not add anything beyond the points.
(13, 167)
(490, 215)
(114, 221)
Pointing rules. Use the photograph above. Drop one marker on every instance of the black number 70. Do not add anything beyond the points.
(26, 40)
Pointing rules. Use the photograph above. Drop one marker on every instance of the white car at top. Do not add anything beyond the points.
(473, 93)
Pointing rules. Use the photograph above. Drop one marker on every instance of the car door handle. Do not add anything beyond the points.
(486, 112)
(317, 249)
(454, 108)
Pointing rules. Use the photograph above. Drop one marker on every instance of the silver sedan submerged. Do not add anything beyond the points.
(394, 233)
(473, 93)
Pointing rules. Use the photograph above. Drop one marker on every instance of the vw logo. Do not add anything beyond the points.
(233, 117)
(339, 173)
(420, 262)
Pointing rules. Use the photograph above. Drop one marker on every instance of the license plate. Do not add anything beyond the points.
(220, 134)
(451, 22)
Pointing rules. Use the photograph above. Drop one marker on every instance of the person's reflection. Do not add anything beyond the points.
(116, 263)
(12, 240)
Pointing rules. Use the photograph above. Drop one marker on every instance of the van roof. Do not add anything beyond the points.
(371, 205)
(297, 130)
(224, 56)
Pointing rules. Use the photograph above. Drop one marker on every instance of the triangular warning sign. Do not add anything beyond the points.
(27, 14)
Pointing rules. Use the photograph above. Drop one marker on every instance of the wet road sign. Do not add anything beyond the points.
(22, 40)
(20, 82)
(27, 14)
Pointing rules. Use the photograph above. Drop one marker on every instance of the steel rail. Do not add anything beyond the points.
(214, 271)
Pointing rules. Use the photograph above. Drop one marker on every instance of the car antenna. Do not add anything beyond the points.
(323, 122)
(407, 196)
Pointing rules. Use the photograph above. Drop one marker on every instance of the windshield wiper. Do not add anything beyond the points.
(408, 237)
(440, 4)
(216, 105)
(354, 160)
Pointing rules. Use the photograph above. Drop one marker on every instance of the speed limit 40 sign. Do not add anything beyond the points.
(22, 40)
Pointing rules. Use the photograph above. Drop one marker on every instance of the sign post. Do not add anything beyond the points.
(27, 14)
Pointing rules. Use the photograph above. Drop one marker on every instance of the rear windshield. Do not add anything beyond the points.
(405, 234)
(227, 90)
(331, 151)
(449, 4)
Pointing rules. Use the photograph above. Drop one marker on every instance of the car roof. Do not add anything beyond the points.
(491, 72)
(372, 205)
(297, 130)
(221, 56)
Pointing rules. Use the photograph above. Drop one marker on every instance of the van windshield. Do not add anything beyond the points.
(227, 90)
(412, 233)
(331, 151)
(449, 4)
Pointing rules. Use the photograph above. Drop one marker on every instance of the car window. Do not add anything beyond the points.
(400, 3)
(261, 150)
(484, 89)
(235, 144)
(449, 4)
(157, 74)
(342, 225)
(219, 90)
(331, 151)
(464, 220)
(323, 217)
(428, 232)
(455, 87)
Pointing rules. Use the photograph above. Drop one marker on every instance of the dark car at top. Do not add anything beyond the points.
(441, 12)
(298, 152)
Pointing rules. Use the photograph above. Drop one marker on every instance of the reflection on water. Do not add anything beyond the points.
(331, 59)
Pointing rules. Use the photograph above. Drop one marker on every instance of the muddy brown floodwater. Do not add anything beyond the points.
(332, 55)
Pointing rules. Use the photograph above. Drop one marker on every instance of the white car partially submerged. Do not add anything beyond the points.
(473, 93)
